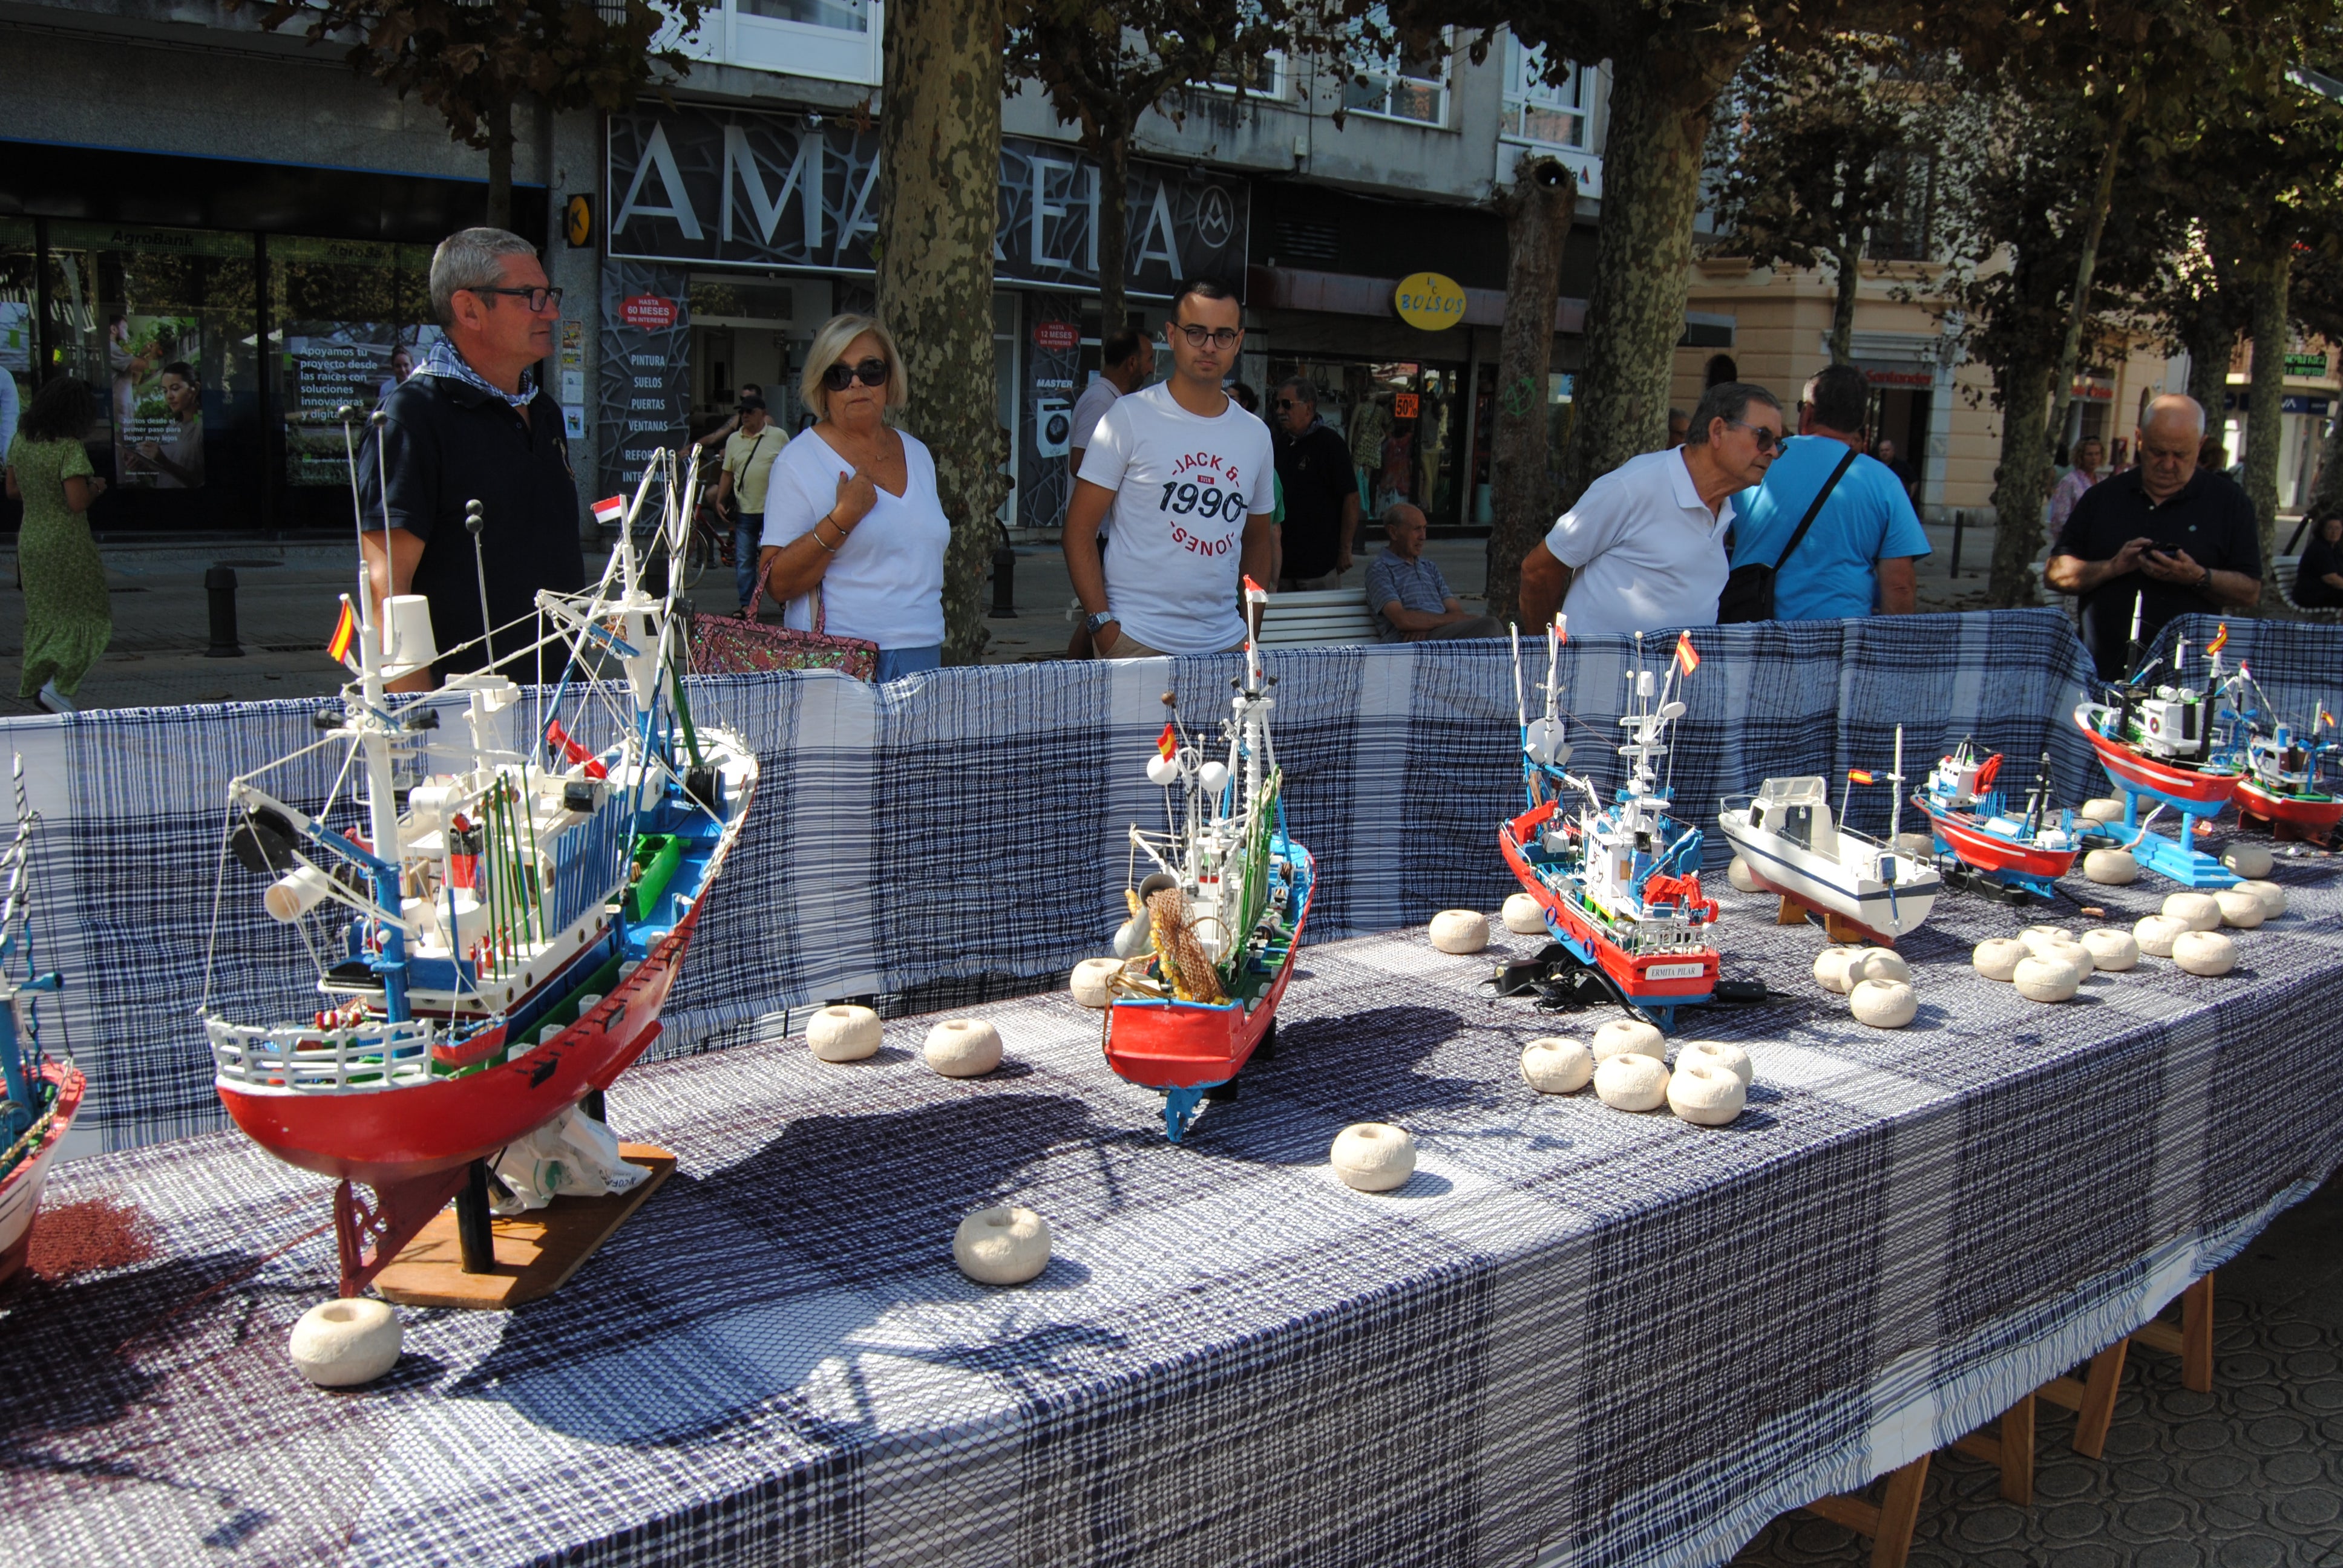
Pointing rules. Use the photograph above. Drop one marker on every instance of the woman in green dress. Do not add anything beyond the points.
(67, 620)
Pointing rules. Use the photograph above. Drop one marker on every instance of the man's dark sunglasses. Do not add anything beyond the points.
(1764, 439)
(871, 373)
(1286, 403)
(538, 297)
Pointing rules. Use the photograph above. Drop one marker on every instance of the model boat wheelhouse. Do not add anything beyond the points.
(496, 915)
(1788, 839)
(1219, 899)
(2027, 849)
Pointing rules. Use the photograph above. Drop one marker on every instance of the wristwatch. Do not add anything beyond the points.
(1105, 618)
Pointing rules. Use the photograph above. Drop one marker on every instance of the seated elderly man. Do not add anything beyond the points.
(1410, 597)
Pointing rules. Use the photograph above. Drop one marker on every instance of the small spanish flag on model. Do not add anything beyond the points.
(607, 511)
(1168, 743)
(1686, 660)
(346, 634)
(1858, 775)
(2220, 640)
(2324, 718)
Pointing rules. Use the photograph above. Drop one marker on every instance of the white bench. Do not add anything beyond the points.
(1319, 618)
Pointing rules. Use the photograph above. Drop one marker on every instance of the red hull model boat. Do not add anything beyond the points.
(2197, 791)
(38, 1094)
(495, 939)
(1217, 919)
(2004, 854)
(2310, 819)
(2159, 742)
(1674, 974)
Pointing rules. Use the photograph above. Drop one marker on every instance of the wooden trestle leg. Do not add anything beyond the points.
(473, 1235)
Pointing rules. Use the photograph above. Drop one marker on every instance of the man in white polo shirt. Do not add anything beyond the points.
(1192, 481)
(1644, 549)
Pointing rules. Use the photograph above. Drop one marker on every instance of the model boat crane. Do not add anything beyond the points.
(495, 916)
(43, 1091)
(1618, 882)
(2008, 855)
(1219, 899)
(1787, 836)
(2157, 743)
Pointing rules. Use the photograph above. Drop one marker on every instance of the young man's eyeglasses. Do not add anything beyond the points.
(539, 299)
(1764, 439)
(871, 373)
(1218, 336)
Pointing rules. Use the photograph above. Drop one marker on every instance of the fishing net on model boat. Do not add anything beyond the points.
(1180, 957)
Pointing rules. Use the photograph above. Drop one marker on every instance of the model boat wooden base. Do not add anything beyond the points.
(2284, 831)
(536, 1252)
(1835, 926)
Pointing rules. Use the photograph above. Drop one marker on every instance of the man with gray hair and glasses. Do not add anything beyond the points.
(2167, 536)
(473, 424)
(1643, 549)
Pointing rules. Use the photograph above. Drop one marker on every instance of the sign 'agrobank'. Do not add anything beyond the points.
(733, 188)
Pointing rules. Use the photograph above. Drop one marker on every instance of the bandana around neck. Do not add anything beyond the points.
(442, 360)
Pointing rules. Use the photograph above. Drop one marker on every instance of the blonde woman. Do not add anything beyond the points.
(851, 512)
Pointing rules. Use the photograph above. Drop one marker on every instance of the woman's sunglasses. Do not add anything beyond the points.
(871, 373)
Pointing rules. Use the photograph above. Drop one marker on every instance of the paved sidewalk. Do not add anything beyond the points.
(2247, 1476)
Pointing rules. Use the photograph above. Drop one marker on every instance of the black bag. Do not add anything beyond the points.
(1749, 591)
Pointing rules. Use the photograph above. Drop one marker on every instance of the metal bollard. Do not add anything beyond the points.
(219, 586)
(1004, 582)
(1960, 521)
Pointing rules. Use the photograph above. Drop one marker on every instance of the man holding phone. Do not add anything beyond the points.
(2167, 534)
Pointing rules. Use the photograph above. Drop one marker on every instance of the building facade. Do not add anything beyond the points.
(181, 189)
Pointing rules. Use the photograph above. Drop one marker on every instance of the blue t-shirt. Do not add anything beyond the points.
(1867, 519)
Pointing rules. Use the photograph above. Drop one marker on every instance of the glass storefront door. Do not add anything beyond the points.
(162, 324)
(348, 320)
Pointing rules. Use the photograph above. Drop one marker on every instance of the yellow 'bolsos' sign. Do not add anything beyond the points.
(1428, 300)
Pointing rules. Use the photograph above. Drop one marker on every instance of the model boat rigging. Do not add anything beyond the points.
(496, 909)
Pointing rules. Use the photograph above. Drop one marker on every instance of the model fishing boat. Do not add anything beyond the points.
(495, 917)
(43, 1091)
(2157, 743)
(2004, 854)
(1218, 900)
(1619, 883)
(2282, 788)
(1785, 836)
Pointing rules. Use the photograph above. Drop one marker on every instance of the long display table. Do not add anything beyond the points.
(1577, 1335)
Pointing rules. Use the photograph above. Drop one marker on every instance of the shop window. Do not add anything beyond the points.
(349, 321)
(1404, 85)
(1403, 421)
(1538, 112)
(162, 323)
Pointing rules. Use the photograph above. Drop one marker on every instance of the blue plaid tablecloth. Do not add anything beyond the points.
(1575, 1336)
(959, 837)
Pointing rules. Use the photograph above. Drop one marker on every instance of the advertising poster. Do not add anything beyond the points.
(333, 365)
(644, 387)
(155, 401)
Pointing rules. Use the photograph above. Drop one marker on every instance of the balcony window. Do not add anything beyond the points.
(1261, 78)
(1540, 112)
(1401, 87)
(836, 40)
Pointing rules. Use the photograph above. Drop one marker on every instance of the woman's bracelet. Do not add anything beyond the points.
(817, 522)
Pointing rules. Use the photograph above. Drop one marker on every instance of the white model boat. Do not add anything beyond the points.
(1786, 837)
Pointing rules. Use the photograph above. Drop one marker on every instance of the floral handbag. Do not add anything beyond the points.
(741, 644)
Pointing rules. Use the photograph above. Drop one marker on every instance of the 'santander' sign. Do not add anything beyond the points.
(739, 188)
(1428, 301)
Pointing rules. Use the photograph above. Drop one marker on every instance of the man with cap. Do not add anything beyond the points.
(748, 453)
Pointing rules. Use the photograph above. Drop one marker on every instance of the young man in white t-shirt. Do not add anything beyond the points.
(1191, 481)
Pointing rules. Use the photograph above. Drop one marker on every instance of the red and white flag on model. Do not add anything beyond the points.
(608, 512)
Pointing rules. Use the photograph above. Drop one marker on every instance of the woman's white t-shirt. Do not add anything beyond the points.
(1183, 485)
(886, 583)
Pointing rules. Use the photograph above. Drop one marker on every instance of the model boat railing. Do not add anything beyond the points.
(374, 1055)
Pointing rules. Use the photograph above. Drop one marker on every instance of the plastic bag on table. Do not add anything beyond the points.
(573, 1154)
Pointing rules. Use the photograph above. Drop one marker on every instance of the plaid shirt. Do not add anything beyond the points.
(442, 360)
(1417, 584)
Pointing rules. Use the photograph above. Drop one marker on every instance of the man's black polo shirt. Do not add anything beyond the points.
(447, 443)
(2210, 518)
(1316, 468)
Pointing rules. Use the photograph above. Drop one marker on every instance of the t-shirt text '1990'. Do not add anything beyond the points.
(1184, 486)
